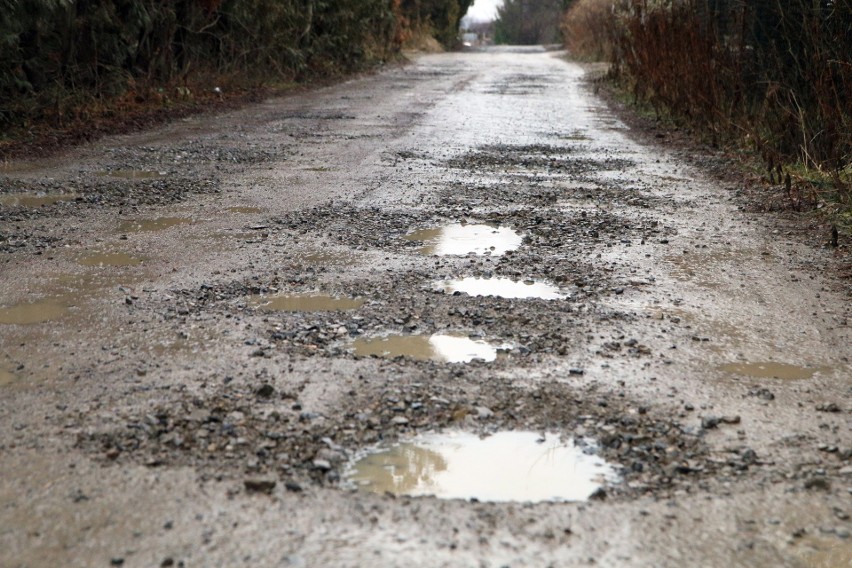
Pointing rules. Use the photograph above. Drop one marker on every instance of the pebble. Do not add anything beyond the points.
(483, 412)
(259, 485)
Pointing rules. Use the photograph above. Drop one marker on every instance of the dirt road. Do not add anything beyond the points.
(197, 342)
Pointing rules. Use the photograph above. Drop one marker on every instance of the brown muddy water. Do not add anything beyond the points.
(32, 313)
(462, 239)
(109, 259)
(34, 200)
(502, 288)
(6, 377)
(824, 553)
(771, 370)
(305, 303)
(157, 224)
(446, 348)
(507, 466)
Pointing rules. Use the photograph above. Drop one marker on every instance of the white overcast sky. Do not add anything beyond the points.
(483, 10)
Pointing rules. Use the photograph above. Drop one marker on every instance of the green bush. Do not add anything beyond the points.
(54, 51)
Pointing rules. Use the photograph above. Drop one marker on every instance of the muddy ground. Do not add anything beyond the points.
(155, 413)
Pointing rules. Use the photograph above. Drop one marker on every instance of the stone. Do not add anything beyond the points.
(259, 485)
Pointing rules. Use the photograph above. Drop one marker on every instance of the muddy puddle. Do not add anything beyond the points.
(157, 224)
(446, 348)
(463, 239)
(6, 377)
(132, 174)
(824, 553)
(32, 313)
(109, 259)
(34, 200)
(507, 466)
(306, 303)
(502, 288)
(771, 370)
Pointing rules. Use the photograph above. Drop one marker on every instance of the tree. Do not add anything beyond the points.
(529, 22)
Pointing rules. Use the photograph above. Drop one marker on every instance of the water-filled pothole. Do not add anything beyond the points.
(35, 312)
(34, 200)
(6, 377)
(501, 287)
(447, 348)
(157, 224)
(306, 303)
(109, 259)
(461, 239)
(824, 552)
(770, 370)
(507, 466)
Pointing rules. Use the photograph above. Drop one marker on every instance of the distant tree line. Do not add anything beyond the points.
(440, 17)
(529, 22)
(55, 53)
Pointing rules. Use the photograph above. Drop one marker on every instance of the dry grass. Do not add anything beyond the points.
(587, 29)
(771, 76)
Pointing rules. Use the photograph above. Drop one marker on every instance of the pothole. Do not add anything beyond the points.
(35, 312)
(501, 287)
(306, 303)
(109, 259)
(34, 200)
(157, 224)
(830, 553)
(771, 370)
(446, 348)
(462, 239)
(6, 377)
(507, 466)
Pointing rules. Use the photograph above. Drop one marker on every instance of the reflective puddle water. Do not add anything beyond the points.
(35, 312)
(158, 224)
(306, 303)
(501, 287)
(507, 466)
(109, 259)
(461, 239)
(33, 200)
(770, 370)
(447, 348)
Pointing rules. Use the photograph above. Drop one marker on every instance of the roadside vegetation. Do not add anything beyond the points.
(71, 69)
(772, 78)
